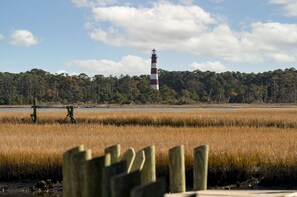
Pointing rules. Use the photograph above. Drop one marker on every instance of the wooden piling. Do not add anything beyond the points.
(70, 114)
(34, 114)
(200, 167)
(138, 161)
(111, 171)
(115, 153)
(68, 169)
(123, 184)
(94, 170)
(151, 189)
(148, 172)
(78, 179)
(177, 169)
(129, 157)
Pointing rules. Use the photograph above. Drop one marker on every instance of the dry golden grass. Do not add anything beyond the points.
(242, 148)
(283, 118)
(243, 142)
(55, 138)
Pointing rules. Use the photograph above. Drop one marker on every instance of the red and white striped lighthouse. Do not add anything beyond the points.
(154, 82)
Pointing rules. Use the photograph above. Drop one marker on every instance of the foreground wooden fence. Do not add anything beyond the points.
(130, 174)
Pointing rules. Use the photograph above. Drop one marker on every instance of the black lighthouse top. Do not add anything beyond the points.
(154, 56)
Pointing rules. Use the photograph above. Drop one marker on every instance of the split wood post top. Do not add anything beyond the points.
(138, 161)
(129, 157)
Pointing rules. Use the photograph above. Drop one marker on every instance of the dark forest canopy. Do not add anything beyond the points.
(176, 87)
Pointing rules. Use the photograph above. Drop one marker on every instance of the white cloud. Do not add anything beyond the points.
(23, 38)
(2, 37)
(290, 6)
(281, 57)
(190, 29)
(164, 26)
(209, 66)
(131, 65)
(270, 41)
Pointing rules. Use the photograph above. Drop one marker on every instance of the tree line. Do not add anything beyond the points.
(176, 87)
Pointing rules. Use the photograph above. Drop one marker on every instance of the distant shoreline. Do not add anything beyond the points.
(253, 105)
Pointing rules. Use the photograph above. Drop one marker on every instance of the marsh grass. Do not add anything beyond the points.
(280, 118)
(237, 153)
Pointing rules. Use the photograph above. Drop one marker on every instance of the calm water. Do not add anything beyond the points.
(151, 108)
(122, 109)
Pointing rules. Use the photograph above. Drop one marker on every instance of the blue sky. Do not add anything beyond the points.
(113, 37)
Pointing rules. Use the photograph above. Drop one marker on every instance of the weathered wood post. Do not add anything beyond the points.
(111, 171)
(70, 114)
(148, 172)
(138, 161)
(78, 178)
(129, 157)
(71, 111)
(115, 153)
(94, 178)
(177, 169)
(200, 167)
(73, 120)
(34, 114)
(123, 184)
(152, 189)
(68, 170)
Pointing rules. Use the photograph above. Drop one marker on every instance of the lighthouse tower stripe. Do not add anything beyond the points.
(154, 71)
(154, 82)
(154, 65)
(154, 77)
(154, 58)
(155, 87)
